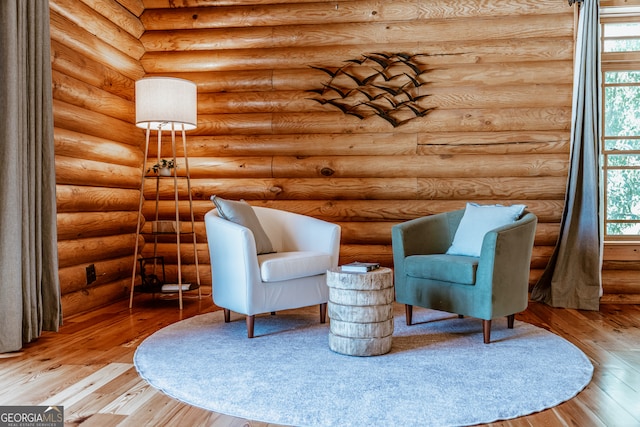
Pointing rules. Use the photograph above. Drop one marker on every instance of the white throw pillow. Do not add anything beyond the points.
(476, 222)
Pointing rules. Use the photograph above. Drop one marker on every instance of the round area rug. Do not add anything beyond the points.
(438, 373)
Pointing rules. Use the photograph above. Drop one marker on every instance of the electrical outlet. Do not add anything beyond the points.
(91, 274)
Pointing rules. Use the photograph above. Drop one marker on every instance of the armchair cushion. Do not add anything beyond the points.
(445, 268)
(280, 266)
(242, 213)
(476, 222)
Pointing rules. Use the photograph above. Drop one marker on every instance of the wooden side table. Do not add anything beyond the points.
(361, 312)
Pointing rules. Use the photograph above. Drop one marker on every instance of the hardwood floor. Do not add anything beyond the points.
(87, 367)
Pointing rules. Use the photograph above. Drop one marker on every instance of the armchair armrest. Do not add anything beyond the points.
(422, 236)
(505, 259)
(232, 252)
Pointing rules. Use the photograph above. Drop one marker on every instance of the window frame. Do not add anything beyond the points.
(611, 62)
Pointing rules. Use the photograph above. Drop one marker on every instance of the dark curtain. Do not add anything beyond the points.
(573, 277)
(29, 285)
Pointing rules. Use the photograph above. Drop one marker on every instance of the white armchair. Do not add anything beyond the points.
(294, 276)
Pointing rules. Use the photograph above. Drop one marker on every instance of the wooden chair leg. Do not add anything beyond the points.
(408, 314)
(227, 315)
(510, 319)
(323, 312)
(250, 323)
(486, 330)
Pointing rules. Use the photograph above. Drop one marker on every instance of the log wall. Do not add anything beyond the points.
(498, 76)
(95, 55)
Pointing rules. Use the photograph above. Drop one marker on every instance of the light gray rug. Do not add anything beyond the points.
(438, 373)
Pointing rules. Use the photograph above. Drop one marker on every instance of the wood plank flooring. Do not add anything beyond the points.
(87, 367)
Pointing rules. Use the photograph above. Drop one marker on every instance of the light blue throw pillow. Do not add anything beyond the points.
(476, 222)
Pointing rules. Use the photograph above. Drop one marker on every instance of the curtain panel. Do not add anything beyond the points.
(573, 277)
(29, 289)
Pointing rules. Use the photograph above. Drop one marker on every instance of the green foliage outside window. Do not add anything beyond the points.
(622, 152)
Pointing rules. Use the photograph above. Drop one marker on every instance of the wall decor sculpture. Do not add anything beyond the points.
(386, 85)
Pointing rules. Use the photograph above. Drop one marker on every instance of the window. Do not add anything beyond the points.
(621, 122)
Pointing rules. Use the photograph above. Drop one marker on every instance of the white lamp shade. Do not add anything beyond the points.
(163, 101)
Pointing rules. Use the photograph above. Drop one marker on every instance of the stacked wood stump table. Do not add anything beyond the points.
(360, 312)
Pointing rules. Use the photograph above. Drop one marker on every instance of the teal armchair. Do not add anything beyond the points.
(493, 285)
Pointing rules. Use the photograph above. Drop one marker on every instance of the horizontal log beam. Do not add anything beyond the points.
(444, 53)
(67, 61)
(84, 198)
(237, 13)
(379, 144)
(94, 224)
(86, 44)
(522, 96)
(548, 211)
(183, 37)
(87, 18)
(185, 237)
(621, 282)
(302, 77)
(389, 144)
(278, 14)
(93, 297)
(78, 145)
(83, 95)
(189, 276)
(360, 189)
(72, 171)
(74, 278)
(507, 142)
(170, 254)
(622, 251)
(123, 13)
(391, 210)
(367, 253)
(78, 119)
(438, 120)
(524, 188)
(303, 188)
(452, 166)
(136, 7)
(94, 249)
(620, 299)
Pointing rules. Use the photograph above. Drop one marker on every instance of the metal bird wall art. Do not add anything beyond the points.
(386, 85)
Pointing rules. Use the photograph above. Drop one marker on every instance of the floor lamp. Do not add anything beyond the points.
(169, 104)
